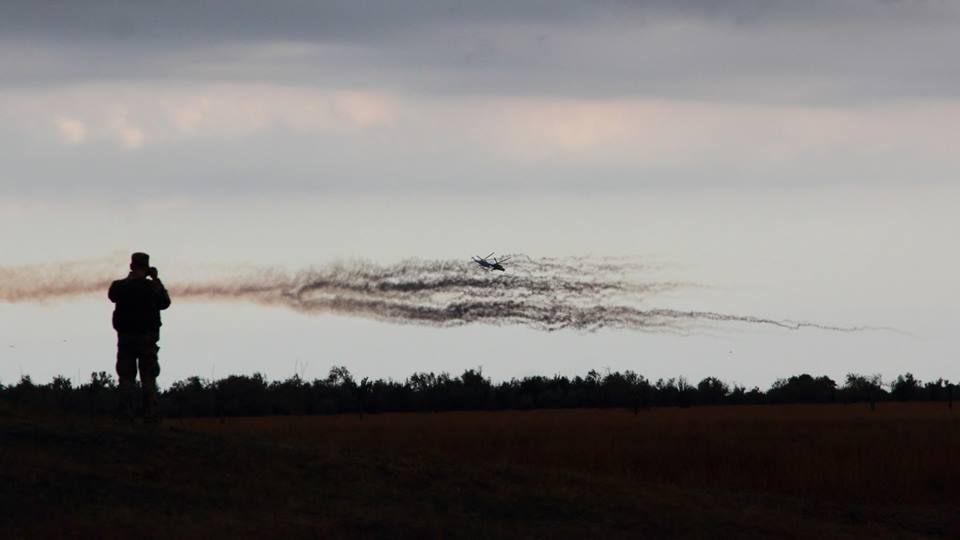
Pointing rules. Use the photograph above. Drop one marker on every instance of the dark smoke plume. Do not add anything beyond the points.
(546, 294)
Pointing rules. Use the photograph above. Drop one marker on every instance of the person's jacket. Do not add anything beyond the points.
(138, 304)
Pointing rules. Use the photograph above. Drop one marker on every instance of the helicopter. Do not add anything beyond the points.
(487, 265)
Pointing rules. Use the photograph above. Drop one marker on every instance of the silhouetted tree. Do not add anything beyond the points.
(803, 389)
(863, 388)
(190, 397)
(241, 395)
(711, 391)
(905, 387)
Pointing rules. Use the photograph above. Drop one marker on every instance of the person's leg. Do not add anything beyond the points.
(149, 371)
(126, 373)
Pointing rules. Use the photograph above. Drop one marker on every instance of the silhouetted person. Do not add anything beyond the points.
(139, 298)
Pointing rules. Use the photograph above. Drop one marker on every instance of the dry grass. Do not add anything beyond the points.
(900, 453)
(726, 472)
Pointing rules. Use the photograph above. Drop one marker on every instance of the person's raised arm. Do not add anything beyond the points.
(163, 297)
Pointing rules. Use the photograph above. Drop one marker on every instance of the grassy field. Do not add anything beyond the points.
(708, 472)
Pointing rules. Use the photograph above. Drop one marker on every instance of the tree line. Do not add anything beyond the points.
(340, 392)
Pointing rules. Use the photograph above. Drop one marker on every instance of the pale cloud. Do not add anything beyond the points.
(295, 136)
(679, 133)
(364, 109)
(125, 114)
(131, 137)
(71, 130)
(121, 129)
(190, 116)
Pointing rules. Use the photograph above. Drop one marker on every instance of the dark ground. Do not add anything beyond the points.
(87, 478)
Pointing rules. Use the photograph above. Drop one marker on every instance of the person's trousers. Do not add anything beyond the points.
(138, 352)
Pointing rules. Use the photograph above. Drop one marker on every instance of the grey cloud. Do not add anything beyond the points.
(844, 53)
(370, 20)
(741, 49)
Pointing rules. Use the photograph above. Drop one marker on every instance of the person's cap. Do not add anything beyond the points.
(140, 260)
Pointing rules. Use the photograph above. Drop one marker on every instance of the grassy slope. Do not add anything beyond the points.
(901, 454)
(86, 478)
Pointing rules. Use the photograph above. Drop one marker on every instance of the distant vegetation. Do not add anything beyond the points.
(339, 392)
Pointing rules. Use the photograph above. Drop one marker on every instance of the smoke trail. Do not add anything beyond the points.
(39, 283)
(547, 294)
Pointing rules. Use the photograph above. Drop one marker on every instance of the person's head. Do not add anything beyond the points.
(139, 264)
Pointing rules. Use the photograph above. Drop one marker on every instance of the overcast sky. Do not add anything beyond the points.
(799, 159)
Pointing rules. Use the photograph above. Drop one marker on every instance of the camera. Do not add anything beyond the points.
(152, 272)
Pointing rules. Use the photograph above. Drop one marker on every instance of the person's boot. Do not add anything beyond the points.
(151, 403)
(125, 389)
